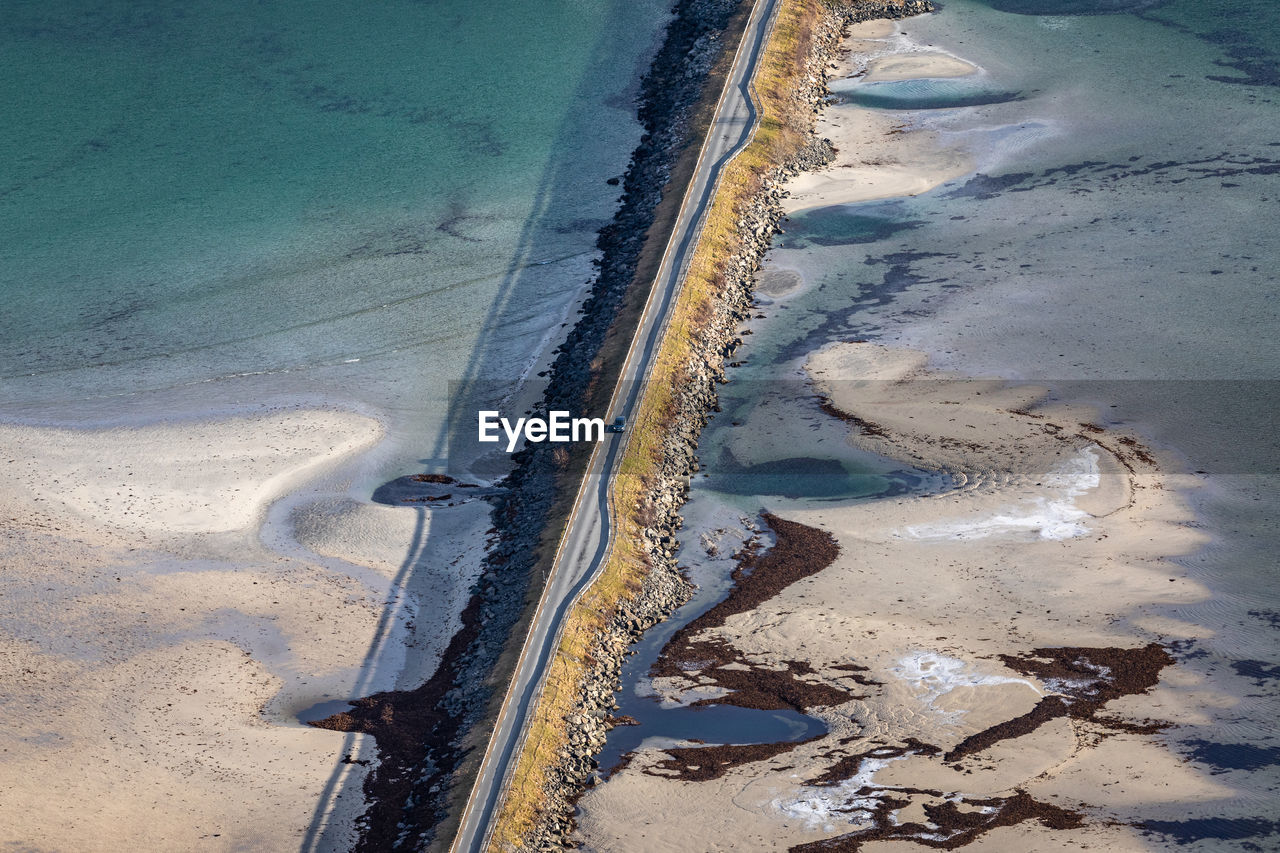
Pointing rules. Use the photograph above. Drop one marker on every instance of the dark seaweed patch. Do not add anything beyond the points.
(1085, 680)
(856, 673)
(866, 427)
(982, 186)
(1095, 176)
(898, 277)
(1255, 66)
(1250, 51)
(1271, 617)
(799, 551)
(847, 766)
(703, 763)
(952, 827)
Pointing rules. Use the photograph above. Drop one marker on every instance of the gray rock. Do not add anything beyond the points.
(665, 588)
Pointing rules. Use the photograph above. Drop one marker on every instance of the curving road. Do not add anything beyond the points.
(584, 547)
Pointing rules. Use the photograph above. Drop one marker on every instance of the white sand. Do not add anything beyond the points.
(145, 628)
(161, 480)
(880, 155)
(914, 66)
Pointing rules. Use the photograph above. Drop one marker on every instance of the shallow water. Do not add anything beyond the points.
(1114, 244)
(208, 206)
(208, 209)
(663, 722)
(753, 451)
(927, 95)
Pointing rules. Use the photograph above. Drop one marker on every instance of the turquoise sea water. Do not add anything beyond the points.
(217, 207)
(299, 200)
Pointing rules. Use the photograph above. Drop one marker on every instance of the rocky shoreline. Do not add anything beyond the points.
(430, 739)
(664, 588)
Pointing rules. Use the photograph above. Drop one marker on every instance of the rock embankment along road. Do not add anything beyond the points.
(585, 544)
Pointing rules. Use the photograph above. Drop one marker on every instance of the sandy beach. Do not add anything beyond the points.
(877, 155)
(155, 650)
(936, 624)
(993, 656)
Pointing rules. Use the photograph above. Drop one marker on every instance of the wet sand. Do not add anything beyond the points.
(993, 658)
(992, 646)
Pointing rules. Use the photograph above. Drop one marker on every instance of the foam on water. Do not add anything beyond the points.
(1052, 516)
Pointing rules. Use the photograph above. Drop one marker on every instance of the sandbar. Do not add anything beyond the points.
(153, 649)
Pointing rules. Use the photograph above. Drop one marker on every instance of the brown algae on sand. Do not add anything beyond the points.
(1007, 668)
(1002, 645)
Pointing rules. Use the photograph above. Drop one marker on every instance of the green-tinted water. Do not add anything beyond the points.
(196, 192)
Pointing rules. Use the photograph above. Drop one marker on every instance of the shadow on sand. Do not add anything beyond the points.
(485, 378)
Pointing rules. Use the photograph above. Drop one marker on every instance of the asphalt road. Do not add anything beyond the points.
(584, 547)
